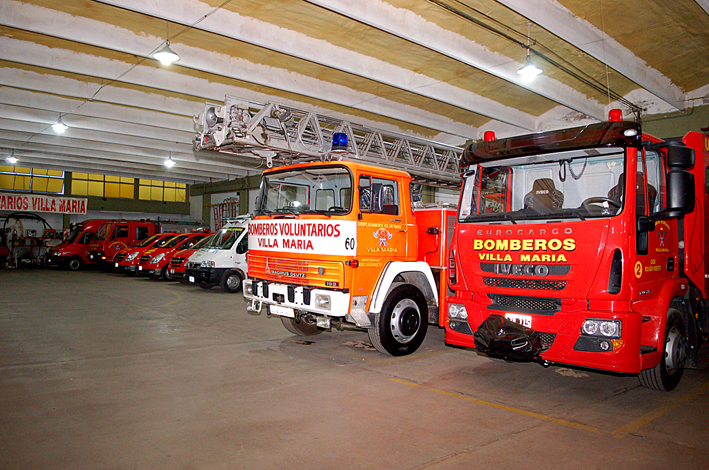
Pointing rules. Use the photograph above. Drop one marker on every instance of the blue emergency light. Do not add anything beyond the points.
(339, 142)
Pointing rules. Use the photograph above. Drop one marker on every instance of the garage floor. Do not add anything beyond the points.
(102, 371)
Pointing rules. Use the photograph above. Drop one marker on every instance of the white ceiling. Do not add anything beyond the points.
(444, 70)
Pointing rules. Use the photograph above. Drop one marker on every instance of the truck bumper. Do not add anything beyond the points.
(211, 276)
(560, 333)
(284, 300)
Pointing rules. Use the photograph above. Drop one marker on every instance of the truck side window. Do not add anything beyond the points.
(385, 196)
(141, 233)
(654, 172)
(365, 193)
(86, 238)
(122, 231)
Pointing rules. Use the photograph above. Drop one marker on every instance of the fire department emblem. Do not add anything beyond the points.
(383, 235)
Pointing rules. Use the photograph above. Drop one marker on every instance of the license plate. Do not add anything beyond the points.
(191, 279)
(524, 320)
(282, 311)
(172, 271)
(140, 268)
(116, 264)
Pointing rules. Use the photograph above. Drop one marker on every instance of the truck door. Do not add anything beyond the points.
(655, 249)
(381, 230)
(120, 238)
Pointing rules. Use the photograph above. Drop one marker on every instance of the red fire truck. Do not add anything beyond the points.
(585, 247)
(72, 252)
(115, 235)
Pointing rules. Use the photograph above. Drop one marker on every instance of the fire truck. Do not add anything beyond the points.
(114, 235)
(335, 241)
(72, 252)
(585, 247)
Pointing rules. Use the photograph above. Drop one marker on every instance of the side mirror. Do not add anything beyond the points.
(680, 157)
(680, 192)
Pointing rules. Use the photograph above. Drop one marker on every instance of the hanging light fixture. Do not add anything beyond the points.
(11, 159)
(59, 126)
(169, 162)
(166, 56)
(530, 71)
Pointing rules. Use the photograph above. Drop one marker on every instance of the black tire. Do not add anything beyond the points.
(165, 273)
(666, 375)
(204, 285)
(400, 328)
(231, 281)
(75, 263)
(300, 328)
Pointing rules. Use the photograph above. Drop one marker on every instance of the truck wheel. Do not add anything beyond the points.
(165, 273)
(399, 329)
(666, 375)
(204, 285)
(300, 328)
(231, 282)
(75, 263)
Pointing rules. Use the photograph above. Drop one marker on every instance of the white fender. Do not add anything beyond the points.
(392, 270)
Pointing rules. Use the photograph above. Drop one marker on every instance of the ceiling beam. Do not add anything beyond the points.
(269, 36)
(559, 21)
(87, 31)
(408, 25)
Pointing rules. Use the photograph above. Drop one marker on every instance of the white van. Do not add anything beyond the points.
(222, 261)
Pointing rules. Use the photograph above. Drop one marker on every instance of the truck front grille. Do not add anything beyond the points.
(176, 262)
(119, 257)
(524, 283)
(514, 303)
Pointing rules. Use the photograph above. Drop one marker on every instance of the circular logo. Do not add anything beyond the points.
(638, 269)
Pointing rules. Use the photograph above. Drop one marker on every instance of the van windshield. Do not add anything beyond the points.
(577, 184)
(146, 242)
(224, 239)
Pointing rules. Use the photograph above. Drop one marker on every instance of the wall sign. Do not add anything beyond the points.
(41, 203)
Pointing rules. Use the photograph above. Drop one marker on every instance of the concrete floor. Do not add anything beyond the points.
(102, 371)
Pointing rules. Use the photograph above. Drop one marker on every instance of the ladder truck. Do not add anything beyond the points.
(338, 239)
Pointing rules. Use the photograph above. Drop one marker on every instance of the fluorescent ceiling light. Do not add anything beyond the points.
(59, 126)
(169, 162)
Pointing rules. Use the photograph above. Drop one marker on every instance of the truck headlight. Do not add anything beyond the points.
(132, 256)
(605, 328)
(207, 264)
(249, 289)
(157, 258)
(322, 301)
(457, 311)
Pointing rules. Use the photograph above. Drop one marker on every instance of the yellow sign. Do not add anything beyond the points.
(638, 269)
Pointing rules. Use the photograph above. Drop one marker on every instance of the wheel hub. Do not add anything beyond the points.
(233, 281)
(675, 350)
(405, 320)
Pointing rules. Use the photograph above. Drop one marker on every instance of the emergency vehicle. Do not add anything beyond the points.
(338, 244)
(155, 261)
(127, 260)
(222, 261)
(585, 247)
(179, 260)
(114, 235)
(72, 252)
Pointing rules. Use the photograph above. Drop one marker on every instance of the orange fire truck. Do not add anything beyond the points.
(585, 247)
(337, 243)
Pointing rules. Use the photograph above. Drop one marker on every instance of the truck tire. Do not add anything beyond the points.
(75, 263)
(666, 375)
(165, 273)
(300, 328)
(231, 281)
(400, 328)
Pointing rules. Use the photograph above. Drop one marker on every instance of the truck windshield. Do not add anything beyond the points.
(202, 243)
(224, 239)
(73, 235)
(323, 189)
(103, 232)
(577, 184)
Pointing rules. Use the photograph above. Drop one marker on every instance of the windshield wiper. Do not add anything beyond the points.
(313, 211)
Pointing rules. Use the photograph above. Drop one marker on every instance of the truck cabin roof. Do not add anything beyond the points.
(604, 134)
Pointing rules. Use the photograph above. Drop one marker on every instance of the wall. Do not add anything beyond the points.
(677, 124)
